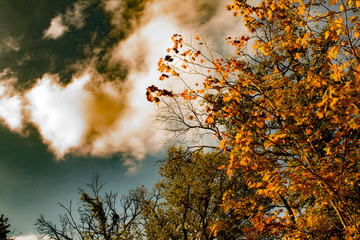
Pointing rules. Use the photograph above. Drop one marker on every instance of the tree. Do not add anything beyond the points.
(99, 217)
(188, 203)
(4, 228)
(288, 111)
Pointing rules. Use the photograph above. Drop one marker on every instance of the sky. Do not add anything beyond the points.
(73, 78)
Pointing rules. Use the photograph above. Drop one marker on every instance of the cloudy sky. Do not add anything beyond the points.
(73, 77)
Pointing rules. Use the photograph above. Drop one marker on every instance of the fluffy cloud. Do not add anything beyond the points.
(62, 23)
(133, 166)
(75, 16)
(56, 29)
(93, 115)
(9, 44)
(10, 109)
(10, 102)
(57, 112)
(90, 116)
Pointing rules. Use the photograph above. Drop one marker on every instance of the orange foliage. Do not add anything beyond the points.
(291, 113)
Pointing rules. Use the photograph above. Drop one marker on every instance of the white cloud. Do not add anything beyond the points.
(73, 17)
(132, 165)
(11, 43)
(56, 29)
(90, 116)
(10, 111)
(57, 112)
(87, 116)
(5, 73)
(30, 236)
(10, 102)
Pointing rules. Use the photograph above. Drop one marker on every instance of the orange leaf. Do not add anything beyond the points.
(209, 120)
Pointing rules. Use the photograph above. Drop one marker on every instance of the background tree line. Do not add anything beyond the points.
(187, 203)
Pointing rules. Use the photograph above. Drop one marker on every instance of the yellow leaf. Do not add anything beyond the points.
(223, 145)
(227, 97)
(342, 8)
(320, 115)
(327, 34)
(268, 144)
(334, 102)
(162, 67)
(266, 177)
(276, 137)
(301, 10)
(288, 29)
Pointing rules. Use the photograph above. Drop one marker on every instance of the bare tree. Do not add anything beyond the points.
(98, 216)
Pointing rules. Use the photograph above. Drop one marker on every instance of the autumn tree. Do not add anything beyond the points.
(99, 216)
(188, 200)
(284, 105)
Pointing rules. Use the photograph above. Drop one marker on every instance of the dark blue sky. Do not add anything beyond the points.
(32, 182)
